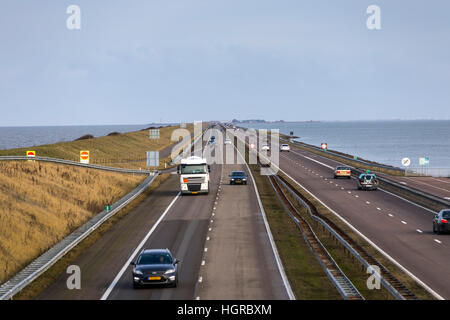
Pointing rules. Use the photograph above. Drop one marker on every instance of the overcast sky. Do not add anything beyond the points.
(143, 61)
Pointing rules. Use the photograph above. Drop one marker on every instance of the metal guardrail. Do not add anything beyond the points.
(344, 157)
(74, 163)
(343, 284)
(347, 245)
(416, 192)
(387, 284)
(50, 257)
(411, 190)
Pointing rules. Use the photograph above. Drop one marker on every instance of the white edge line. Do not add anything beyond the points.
(269, 234)
(431, 291)
(124, 268)
(392, 194)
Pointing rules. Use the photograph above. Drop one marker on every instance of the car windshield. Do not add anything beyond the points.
(193, 168)
(342, 168)
(446, 214)
(238, 173)
(154, 258)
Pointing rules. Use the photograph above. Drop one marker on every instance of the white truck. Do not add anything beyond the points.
(194, 175)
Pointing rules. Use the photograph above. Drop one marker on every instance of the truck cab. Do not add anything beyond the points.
(194, 175)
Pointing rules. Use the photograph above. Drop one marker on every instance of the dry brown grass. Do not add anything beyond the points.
(41, 203)
(124, 150)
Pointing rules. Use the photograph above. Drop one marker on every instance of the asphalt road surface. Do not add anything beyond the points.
(239, 262)
(401, 229)
(183, 229)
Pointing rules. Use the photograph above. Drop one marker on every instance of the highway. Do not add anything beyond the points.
(239, 262)
(439, 187)
(182, 224)
(400, 228)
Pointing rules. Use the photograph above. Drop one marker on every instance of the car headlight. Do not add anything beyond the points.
(245, 179)
(232, 179)
(138, 272)
(169, 271)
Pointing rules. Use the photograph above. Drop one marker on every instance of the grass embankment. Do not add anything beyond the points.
(51, 275)
(120, 150)
(43, 202)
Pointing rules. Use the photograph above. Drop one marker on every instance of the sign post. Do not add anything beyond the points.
(324, 146)
(425, 161)
(152, 158)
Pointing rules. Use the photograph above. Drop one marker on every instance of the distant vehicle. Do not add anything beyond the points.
(441, 221)
(213, 138)
(342, 171)
(284, 147)
(194, 175)
(367, 181)
(265, 147)
(227, 141)
(155, 266)
(238, 177)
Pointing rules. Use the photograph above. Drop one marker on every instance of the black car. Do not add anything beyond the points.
(238, 177)
(155, 266)
(441, 221)
(368, 181)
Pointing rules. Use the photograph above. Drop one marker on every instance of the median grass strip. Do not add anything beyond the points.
(350, 265)
(44, 202)
(306, 276)
(52, 274)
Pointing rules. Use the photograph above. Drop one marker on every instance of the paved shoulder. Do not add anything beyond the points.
(239, 262)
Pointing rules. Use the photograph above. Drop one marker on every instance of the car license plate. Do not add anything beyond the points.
(154, 278)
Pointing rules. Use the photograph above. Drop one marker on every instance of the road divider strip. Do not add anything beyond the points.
(283, 275)
(410, 274)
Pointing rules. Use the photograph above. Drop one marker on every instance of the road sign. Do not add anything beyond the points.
(84, 156)
(406, 162)
(31, 154)
(154, 133)
(324, 146)
(424, 161)
(152, 158)
(108, 208)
